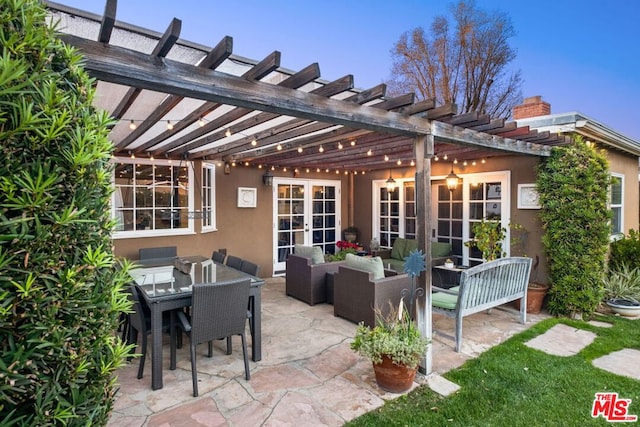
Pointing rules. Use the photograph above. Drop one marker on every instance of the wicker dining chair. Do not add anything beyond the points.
(218, 257)
(234, 262)
(218, 310)
(250, 268)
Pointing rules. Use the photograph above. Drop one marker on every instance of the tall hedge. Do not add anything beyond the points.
(60, 290)
(573, 186)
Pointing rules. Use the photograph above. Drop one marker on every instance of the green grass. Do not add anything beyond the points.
(514, 385)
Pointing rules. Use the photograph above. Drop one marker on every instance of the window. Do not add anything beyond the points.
(208, 197)
(616, 203)
(152, 197)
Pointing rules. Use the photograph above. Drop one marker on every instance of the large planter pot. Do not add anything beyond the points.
(624, 307)
(535, 297)
(392, 377)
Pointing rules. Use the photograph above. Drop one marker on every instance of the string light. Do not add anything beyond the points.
(436, 158)
(132, 125)
(321, 149)
(340, 146)
(445, 157)
(169, 125)
(455, 161)
(483, 161)
(227, 133)
(369, 153)
(254, 141)
(300, 149)
(201, 122)
(279, 147)
(353, 143)
(386, 158)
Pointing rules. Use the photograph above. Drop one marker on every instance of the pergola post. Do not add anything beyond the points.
(424, 148)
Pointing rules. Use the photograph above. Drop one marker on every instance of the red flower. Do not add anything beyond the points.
(343, 244)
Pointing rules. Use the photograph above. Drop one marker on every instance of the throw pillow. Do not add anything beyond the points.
(369, 264)
(313, 252)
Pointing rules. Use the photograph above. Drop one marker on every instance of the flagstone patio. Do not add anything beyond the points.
(307, 371)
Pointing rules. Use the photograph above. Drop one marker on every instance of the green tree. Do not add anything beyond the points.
(463, 60)
(573, 184)
(60, 285)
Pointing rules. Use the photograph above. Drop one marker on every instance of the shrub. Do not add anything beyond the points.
(60, 288)
(623, 283)
(573, 184)
(625, 251)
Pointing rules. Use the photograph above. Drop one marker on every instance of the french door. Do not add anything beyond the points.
(306, 212)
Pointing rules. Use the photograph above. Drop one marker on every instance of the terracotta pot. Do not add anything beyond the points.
(535, 297)
(392, 377)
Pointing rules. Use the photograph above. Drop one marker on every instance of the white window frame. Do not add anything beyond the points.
(129, 234)
(620, 205)
(209, 209)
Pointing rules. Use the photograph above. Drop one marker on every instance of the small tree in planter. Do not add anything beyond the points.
(60, 288)
(572, 184)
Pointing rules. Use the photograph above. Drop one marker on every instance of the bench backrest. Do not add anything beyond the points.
(493, 283)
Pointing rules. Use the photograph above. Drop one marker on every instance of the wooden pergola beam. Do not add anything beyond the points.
(127, 67)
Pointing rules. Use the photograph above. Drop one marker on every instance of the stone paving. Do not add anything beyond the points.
(308, 374)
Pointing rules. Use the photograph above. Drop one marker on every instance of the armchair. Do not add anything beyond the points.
(357, 293)
(306, 281)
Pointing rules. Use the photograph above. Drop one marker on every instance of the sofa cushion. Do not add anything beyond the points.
(313, 252)
(440, 249)
(410, 245)
(442, 300)
(368, 264)
(397, 251)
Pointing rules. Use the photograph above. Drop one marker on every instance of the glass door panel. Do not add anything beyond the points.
(307, 213)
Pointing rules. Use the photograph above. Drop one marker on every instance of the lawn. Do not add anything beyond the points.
(514, 385)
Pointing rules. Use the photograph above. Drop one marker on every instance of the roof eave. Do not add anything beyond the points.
(575, 122)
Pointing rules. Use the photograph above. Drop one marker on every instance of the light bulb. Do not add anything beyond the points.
(254, 142)
(227, 133)
(132, 125)
(169, 125)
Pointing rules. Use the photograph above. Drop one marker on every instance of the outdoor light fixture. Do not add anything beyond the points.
(452, 180)
(267, 179)
(391, 183)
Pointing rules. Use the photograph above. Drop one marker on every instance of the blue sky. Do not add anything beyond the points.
(580, 55)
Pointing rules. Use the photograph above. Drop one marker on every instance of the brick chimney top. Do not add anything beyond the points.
(531, 107)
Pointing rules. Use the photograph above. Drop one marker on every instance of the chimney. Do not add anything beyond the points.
(531, 107)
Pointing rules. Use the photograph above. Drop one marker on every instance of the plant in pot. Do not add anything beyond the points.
(622, 290)
(394, 346)
(535, 291)
(487, 238)
(344, 248)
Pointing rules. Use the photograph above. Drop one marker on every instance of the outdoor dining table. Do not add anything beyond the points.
(165, 284)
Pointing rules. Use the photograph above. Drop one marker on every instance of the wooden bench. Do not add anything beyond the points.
(483, 287)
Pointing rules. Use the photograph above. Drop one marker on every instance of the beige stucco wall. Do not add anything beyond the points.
(244, 232)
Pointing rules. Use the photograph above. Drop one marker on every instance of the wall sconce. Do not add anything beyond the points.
(391, 183)
(267, 179)
(452, 180)
(227, 169)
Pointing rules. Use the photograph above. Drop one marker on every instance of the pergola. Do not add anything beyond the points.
(179, 100)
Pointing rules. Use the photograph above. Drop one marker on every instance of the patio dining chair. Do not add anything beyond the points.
(218, 310)
(218, 257)
(250, 267)
(159, 252)
(140, 322)
(234, 262)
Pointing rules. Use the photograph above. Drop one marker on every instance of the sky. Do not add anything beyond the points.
(579, 55)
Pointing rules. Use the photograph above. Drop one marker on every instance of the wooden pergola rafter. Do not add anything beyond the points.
(270, 121)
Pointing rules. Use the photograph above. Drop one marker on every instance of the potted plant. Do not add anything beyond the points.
(487, 238)
(394, 346)
(622, 290)
(535, 291)
(344, 248)
(351, 234)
